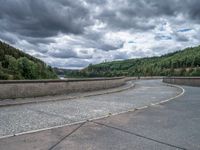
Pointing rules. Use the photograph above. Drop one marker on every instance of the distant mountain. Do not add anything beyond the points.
(16, 65)
(180, 63)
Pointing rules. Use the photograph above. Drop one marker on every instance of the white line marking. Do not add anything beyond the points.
(142, 107)
(43, 129)
(167, 100)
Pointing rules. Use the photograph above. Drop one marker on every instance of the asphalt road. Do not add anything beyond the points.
(172, 125)
(23, 118)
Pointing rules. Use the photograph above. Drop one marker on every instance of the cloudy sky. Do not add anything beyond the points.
(75, 33)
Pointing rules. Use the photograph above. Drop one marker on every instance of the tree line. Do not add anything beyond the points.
(17, 65)
(180, 63)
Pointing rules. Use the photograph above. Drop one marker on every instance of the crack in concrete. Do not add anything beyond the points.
(139, 135)
(63, 138)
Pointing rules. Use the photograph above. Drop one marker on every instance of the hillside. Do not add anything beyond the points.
(15, 65)
(180, 63)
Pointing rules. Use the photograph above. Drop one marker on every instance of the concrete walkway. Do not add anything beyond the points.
(172, 125)
(39, 116)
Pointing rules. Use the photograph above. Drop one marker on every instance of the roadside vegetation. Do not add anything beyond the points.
(17, 65)
(180, 63)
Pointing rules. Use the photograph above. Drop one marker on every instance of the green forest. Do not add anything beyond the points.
(180, 63)
(17, 65)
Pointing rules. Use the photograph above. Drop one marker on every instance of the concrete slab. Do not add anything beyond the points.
(23, 118)
(36, 141)
(176, 122)
(97, 137)
(169, 126)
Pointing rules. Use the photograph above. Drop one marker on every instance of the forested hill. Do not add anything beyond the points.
(15, 64)
(180, 63)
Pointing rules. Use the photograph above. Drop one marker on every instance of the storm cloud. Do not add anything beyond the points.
(73, 34)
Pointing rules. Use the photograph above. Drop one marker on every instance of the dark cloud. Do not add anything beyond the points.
(119, 21)
(120, 56)
(160, 50)
(106, 47)
(181, 37)
(97, 2)
(8, 37)
(162, 37)
(184, 30)
(40, 18)
(138, 15)
(39, 55)
(80, 32)
(37, 41)
(191, 8)
(69, 53)
(62, 53)
(97, 41)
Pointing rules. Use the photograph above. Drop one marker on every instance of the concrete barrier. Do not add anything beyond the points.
(191, 81)
(36, 88)
(144, 78)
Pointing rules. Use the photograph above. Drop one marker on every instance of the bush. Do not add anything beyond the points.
(195, 72)
(3, 76)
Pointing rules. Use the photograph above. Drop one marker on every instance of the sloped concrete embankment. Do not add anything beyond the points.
(36, 88)
(39, 88)
(190, 81)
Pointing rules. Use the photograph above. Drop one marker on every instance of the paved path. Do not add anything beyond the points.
(168, 126)
(23, 118)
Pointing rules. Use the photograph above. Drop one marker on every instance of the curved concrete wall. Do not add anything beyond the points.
(191, 81)
(35, 88)
(144, 78)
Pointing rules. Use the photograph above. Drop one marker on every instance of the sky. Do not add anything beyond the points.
(75, 33)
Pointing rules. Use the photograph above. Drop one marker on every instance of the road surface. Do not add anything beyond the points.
(23, 118)
(172, 125)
